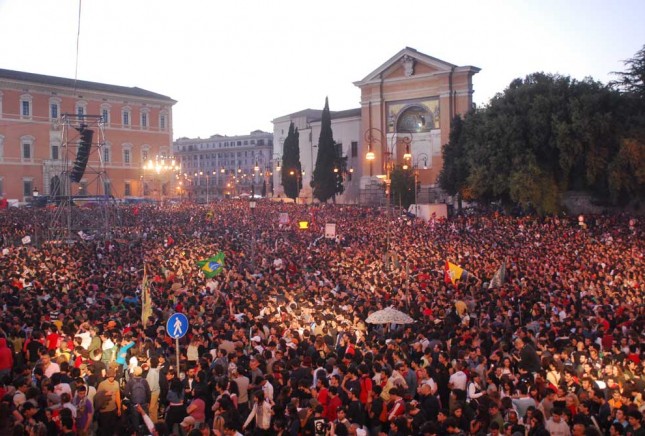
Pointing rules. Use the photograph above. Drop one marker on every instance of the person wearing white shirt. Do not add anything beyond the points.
(267, 388)
(475, 391)
(262, 411)
(107, 347)
(49, 368)
(66, 400)
(84, 334)
(555, 425)
(459, 379)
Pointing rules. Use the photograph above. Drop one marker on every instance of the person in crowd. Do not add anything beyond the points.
(560, 331)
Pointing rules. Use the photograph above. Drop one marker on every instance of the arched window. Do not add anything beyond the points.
(415, 119)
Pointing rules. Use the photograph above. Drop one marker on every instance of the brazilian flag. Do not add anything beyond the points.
(213, 265)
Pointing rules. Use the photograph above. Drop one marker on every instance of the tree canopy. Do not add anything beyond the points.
(633, 79)
(544, 135)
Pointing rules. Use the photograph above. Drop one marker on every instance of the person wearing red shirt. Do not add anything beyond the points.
(334, 403)
(6, 359)
(366, 383)
(322, 392)
(53, 338)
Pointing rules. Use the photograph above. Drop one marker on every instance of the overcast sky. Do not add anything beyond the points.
(235, 66)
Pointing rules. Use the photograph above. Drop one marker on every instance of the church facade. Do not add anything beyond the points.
(407, 105)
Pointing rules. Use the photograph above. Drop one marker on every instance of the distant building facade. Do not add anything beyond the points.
(407, 106)
(346, 128)
(37, 147)
(225, 166)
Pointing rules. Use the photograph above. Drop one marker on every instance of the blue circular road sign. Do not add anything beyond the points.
(177, 325)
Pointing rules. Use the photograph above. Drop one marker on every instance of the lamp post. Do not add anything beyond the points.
(201, 173)
(198, 185)
(220, 185)
(180, 192)
(420, 157)
(160, 166)
(299, 174)
(342, 171)
(275, 159)
(373, 137)
(252, 206)
(214, 173)
(256, 169)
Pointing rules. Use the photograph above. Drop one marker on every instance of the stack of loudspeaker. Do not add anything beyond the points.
(83, 153)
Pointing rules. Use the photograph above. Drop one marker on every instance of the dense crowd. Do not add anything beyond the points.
(278, 340)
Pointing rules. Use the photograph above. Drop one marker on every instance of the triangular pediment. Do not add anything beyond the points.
(417, 64)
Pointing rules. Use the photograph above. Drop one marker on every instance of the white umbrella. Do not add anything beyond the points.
(388, 316)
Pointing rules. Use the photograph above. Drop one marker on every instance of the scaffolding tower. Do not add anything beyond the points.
(82, 206)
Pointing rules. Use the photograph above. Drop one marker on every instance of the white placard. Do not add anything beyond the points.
(330, 230)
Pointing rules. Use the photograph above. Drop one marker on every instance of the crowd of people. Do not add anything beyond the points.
(278, 342)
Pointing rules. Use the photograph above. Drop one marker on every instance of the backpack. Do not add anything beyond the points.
(138, 393)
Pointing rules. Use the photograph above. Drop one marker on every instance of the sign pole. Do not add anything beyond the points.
(176, 327)
(177, 353)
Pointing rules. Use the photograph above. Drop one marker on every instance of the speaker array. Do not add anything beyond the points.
(83, 153)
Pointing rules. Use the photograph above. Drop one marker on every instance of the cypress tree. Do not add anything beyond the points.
(291, 168)
(325, 182)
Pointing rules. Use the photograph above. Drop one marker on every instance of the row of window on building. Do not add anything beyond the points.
(27, 152)
(225, 144)
(26, 112)
(29, 188)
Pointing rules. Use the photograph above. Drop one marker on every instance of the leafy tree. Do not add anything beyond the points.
(544, 135)
(633, 80)
(627, 169)
(291, 168)
(325, 182)
(454, 174)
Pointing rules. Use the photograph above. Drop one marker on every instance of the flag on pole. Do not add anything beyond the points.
(146, 299)
(499, 277)
(212, 266)
(454, 273)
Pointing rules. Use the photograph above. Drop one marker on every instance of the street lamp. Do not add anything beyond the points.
(373, 137)
(299, 174)
(256, 170)
(160, 166)
(341, 172)
(252, 205)
(419, 158)
(220, 176)
(201, 173)
(275, 158)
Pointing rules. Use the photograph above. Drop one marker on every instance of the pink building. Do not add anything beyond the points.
(39, 117)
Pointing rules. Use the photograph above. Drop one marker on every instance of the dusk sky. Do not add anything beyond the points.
(235, 66)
